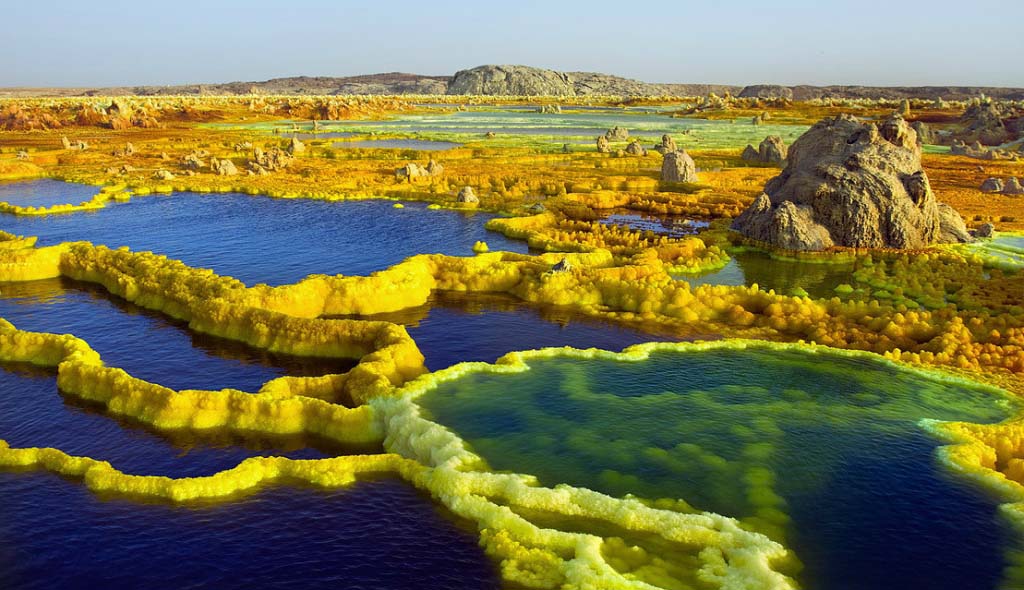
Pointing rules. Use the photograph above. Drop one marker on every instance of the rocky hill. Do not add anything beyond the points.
(516, 80)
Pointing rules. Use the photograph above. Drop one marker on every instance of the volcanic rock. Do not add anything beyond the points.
(854, 184)
(466, 195)
(678, 166)
(992, 185)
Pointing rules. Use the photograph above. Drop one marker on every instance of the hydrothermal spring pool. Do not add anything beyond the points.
(820, 451)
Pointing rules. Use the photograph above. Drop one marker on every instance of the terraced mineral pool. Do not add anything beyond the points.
(490, 326)
(273, 241)
(398, 144)
(748, 267)
(379, 534)
(45, 192)
(818, 450)
(151, 347)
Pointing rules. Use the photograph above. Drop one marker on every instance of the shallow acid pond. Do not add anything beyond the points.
(749, 267)
(379, 534)
(524, 123)
(820, 451)
(45, 192)
(398, 144)
(273, 241)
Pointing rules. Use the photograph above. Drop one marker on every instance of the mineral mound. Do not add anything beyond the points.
(854, 184)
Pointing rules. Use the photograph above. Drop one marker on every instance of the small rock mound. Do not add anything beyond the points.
(602, 145)
(992, 185)
(852, 184)
(667, 145)
(678, 166)
(617, 134)
(772, 150)
(985, 231)
(466, 195)
(635, 149)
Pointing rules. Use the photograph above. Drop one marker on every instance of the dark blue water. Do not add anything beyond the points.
(55, 533)
(374, 535)
(273, 241)
(147, 344)
(454, 327)
(45, 192)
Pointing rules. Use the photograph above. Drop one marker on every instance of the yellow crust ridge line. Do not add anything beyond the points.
(98, 201)
(101, 477)
(637, 290)
(80, 372)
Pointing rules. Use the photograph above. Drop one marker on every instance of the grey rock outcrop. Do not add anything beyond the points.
(924, 133)
(1013, 187)
(224, 167)
(986, 230)
(410, 171)
(434, 169)
(617, 134)
(635, 149)
(296, 146)
(508, 80)
(602, 145)
(667, 145)
(772, 150)
(466, 195)
(767, 91)
(992, 185)
(678, 166)
(854, 184)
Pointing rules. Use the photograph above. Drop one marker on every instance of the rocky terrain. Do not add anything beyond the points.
(520, 81)
(854, 184)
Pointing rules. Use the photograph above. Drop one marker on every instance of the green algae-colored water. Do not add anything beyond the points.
(519, 128)
(820, 451)
(749, 267)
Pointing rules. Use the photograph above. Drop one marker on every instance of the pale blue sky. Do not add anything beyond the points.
(892, 42)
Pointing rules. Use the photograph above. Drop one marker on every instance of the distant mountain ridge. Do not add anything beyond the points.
(517, 80)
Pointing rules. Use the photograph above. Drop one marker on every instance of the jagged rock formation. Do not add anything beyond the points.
(854, 184)
(617, 134)
(1013, 187)
(924, 133)
(992, 185)
(772, 150)
(602, 145)
(223, 167)
(466, 195)
(296, 146)
(986, 230)
(635, 149)
(667, 145)
(678, 166)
